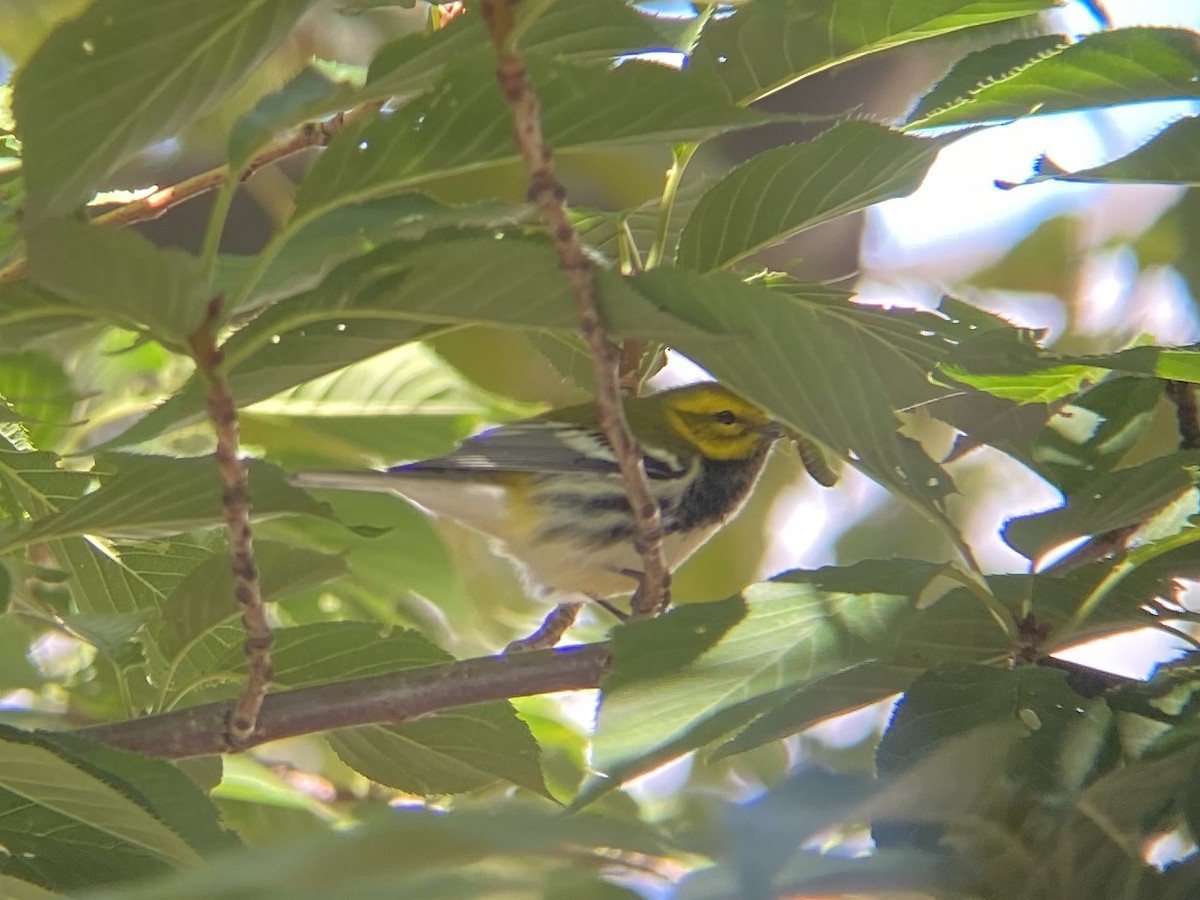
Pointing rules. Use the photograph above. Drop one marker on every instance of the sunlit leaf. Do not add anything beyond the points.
(767, 45)
(846, 169)
(1122, 497)
(791, 635)
(1126, 65)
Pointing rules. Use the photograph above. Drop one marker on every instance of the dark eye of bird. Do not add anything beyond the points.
(725, 417)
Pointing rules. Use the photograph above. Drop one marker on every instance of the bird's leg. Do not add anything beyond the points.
(611, 607)
(637, 577)
(550, 632)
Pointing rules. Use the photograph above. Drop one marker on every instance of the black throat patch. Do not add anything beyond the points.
(716, 493)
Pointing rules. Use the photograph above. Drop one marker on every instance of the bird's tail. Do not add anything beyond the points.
(352, 480)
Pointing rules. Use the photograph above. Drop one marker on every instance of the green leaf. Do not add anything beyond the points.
(647, 651)
(204, 598)
(18, 889)
(579, 30)
(125, 580)
(1142, 597)
(1045, 384)
(441, 855)
(1003, 425)
(213, 666)
(337, 651)
(1126, 807)
(66, 828)
(810, 873)
(767, 45)
(1065, 732)
(463, 125)
(120, 277)
(307, 347)
(792, 634)
(956, 626)
(405, 403)
(1126, 65)
(110, 633)
(37, 483)
(1122, 497)
(40, 394)
(697, 735)
(316, 249)
(28, 313)
(393, 550)
(834, 695)
(154, 496)
(405, 291)
(160, 786)
(599, 229)
(1171, 157)
(846, 169)
(16, 670)
(123, 75)
(455, 751)
(309, 95)
(1088, 436)
(761, 836)
(801, 363)
(975, 69)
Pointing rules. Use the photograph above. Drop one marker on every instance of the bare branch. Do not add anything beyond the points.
(395, 697)
(235, 505)
(146, 209)
(549, 195)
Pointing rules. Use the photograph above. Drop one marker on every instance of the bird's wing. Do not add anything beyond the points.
(539, 446)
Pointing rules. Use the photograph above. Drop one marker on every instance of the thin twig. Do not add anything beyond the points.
(235, 505)
(549, 195)
(152, 206)
(395, 697)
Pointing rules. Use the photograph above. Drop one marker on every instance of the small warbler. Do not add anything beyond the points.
(549, 488)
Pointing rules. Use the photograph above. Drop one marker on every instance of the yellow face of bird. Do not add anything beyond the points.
(719, 424)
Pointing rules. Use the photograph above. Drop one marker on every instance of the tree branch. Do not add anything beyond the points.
(393, 698)
(146, 209)
(549, 195)
(235, 505)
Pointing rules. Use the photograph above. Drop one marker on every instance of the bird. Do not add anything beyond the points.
(549, 489)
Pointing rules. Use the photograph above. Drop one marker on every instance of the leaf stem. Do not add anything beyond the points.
(682, 155)
(216, 227)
